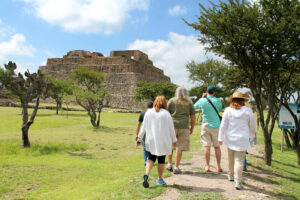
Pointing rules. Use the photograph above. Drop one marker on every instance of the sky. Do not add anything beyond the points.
(31, 31)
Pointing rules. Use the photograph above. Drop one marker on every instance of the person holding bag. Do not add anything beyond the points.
(236, 130)
(210, 107)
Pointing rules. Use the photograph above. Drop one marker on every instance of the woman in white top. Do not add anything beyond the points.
(237, 128)
(158, 125)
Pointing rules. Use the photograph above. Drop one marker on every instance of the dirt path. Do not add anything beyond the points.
(256, 184)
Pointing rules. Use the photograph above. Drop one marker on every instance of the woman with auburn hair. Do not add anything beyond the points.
(237, 128)
(158, 125)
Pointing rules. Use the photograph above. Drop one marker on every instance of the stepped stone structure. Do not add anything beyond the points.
(122, 69)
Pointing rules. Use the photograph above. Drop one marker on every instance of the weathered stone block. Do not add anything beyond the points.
(122, 69)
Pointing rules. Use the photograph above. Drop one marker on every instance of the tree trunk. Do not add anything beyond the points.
(25, 138)
(268, 151)
(25, 126)
(287, 140)
(57, 107)
(98, 120)
(298, 155)
(93, 118)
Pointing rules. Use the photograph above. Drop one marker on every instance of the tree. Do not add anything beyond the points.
(150, 90)
(32, 87)
(210, 72)
(59, 89)
(259, 39)
(292, 95)
(89, 93)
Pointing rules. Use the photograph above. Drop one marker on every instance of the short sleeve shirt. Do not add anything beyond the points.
(141, 118)
(209, 115)
(181, 112)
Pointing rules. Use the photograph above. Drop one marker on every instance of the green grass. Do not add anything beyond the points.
(284, 171)
(69, 159)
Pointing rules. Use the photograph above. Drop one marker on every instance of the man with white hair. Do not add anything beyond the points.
(183, 114)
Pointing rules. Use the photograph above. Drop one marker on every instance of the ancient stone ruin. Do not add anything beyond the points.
(122, 69)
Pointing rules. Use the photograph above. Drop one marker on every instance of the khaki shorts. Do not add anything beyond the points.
(209, 136)
(183, 139)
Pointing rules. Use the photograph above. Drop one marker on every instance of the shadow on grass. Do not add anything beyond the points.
(258, 170)
(82, 155)
(47, 149)
(105, 129)
(269, 193)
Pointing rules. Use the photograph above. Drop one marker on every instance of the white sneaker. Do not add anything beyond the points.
(177, 171)
(238, 185)
(230, 177)
(170, 167)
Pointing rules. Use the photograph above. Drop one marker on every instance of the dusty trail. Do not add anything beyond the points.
(194, 179)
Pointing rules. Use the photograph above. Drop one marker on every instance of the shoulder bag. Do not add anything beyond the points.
(214, 108)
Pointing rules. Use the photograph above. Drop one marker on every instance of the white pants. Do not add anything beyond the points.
(235, 163)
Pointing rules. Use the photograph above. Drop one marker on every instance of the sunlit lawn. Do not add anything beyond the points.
(71, 160)
(284, 171)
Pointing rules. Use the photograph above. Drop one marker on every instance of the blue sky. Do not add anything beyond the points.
(31, 31)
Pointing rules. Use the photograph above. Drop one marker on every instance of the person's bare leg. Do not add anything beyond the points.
(207, 157)
(160, 169)
(218, 157)
(149, 166)
(170, 157)
(178, 157)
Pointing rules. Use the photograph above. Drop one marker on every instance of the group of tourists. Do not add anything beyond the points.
(166, 126)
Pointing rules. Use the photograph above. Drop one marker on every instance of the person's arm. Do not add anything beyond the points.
(223, 127)
(138, 130)
(198, 104)
(252, 125)
(170, 106)
(192, 117)
(172, 130)
(193, 120)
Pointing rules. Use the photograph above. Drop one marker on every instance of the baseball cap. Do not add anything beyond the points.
(211, 89)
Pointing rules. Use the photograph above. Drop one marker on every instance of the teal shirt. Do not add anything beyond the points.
(208, 112)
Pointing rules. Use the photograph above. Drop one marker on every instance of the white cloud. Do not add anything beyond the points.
(5, 30)
(178, 10)
(16, 46)
(173, 54)
(92, 16)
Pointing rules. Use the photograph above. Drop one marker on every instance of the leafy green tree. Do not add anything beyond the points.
(196, 92)
(31, 87)
(89, 93)
(291, 93)
(260, 39)
(150, 90)
(210, 72)
(59, 89)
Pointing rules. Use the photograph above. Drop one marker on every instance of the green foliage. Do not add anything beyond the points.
(89, 93)
(59, 90)
(150, 90)
(210, 72)
(87, 79)
(261, 40)
(31, 87)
